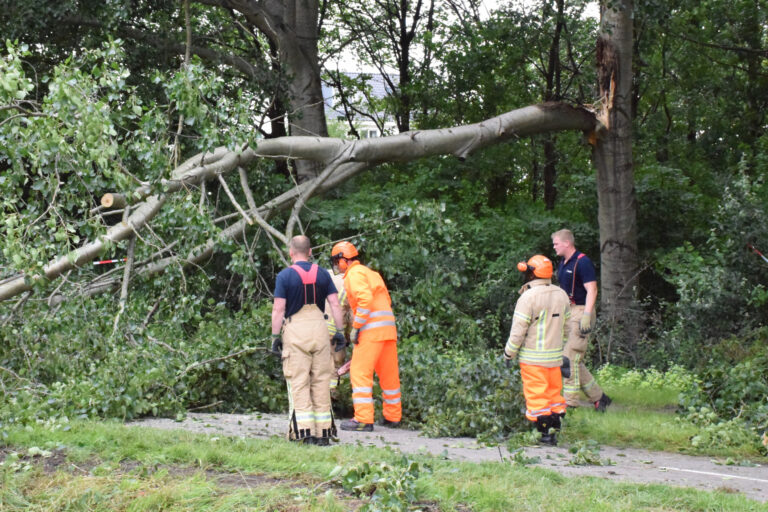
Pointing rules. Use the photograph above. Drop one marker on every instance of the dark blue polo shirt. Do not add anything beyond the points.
(289, 287)
(585, 273)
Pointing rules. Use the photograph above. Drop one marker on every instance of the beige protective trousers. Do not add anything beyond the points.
(307, 368)
(581, 379)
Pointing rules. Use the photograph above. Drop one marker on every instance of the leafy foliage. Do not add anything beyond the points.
(387, 487)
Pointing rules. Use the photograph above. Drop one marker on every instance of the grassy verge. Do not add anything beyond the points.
(106, 466)
(643, 415)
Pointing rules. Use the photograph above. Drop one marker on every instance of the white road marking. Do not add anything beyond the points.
(723, 475)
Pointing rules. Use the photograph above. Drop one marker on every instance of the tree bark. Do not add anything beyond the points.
(292, 25)
(617, 206)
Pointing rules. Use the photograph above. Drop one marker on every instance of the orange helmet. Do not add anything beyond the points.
(343, 251)
(540, 265)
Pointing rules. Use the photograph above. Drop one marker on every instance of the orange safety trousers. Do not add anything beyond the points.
(381, 357)
(543, 390)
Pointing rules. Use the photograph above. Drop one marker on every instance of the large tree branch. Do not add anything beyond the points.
(348, 157)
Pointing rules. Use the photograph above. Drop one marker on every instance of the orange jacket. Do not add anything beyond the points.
(370, 303)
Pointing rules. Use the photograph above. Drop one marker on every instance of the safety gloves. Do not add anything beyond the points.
(277, 345)
(353, 336)
(340, 341)
(585, 324)
(565, 368)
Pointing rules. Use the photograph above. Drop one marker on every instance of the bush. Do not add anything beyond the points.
(67, 365)
(731, 400)
(460, 393)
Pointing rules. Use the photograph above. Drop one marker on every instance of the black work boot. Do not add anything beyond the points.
(325, 439)
(602, 404)
(543, 425)
(391, 424)
(556, 420)
(356, 426)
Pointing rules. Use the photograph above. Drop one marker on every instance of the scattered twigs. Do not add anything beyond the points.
(214, 404)
(246, 350)
(126, 279)
(17, 306)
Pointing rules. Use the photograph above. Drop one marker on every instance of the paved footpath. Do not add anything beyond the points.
(632, 465)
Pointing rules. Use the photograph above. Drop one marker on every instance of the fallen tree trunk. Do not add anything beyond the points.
(349, 158)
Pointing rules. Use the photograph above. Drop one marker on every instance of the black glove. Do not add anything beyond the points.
(277, 345)
(340, 341)
(507, 362)
(565, 368)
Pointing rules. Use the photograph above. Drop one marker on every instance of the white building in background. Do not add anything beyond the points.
(366, 127)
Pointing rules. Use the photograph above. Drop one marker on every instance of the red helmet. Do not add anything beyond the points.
(540, 265)
(343, 251)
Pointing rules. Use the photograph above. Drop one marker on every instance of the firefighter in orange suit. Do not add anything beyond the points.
(536, 338)
(374, 336)
(300, 338)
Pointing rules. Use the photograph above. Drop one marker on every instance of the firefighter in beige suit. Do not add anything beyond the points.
(300, 337)
(338, 340)
(536, 339)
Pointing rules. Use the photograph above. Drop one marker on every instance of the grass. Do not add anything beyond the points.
(138, 469)
(643, 415)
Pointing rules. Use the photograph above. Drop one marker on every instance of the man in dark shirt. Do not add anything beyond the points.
(576, 276)
(300, 337)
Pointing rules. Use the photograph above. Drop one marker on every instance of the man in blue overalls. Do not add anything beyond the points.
(300, 337)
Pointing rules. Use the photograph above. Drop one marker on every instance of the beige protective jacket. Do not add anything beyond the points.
(538, 330)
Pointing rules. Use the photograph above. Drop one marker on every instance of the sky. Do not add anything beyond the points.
(348, 63)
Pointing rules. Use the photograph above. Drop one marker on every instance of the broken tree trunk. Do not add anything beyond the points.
(617, 211)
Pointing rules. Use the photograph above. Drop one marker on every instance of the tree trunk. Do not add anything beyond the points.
(292, 25)
(617, 206)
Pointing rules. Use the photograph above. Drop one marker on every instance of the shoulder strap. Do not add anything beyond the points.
(308, 278)
(573, 284)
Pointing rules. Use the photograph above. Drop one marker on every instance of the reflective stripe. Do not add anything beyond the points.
(558, 404)
(390, 391)
(362, 390)
(522, 316)
(381, 313)
(362, 400)
(554, 355)
(359, 320)
(362, 311)
(322, 416)
(510, 349)
(392, 400)
(304, 417)
(540, 412)
(541, 329)
(373, 325)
